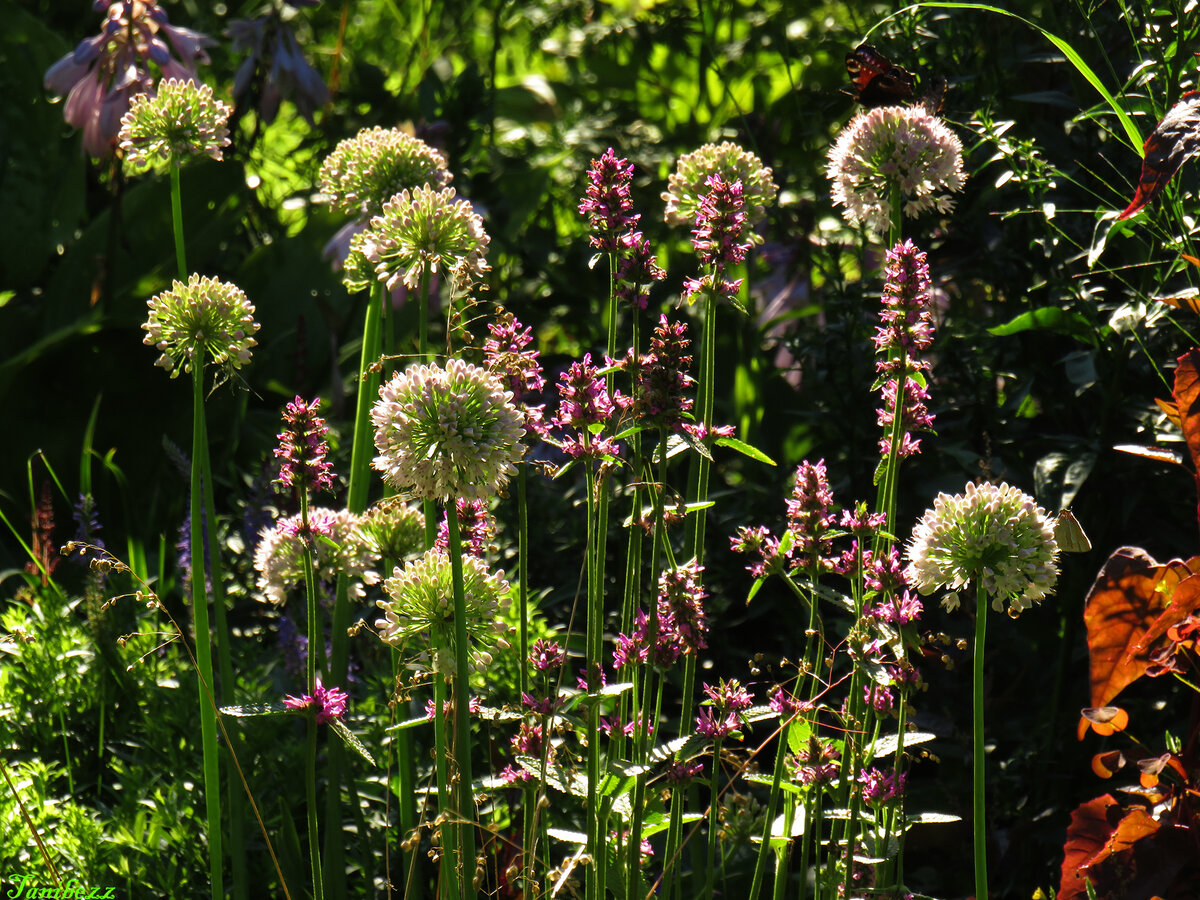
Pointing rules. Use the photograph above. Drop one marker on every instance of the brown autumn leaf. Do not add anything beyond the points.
(1175, 140)
(1186, 392)
(1087, 834)
(1122, 604)
(1185, 600)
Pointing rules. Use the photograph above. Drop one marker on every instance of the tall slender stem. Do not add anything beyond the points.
(316, 642)
(465, 805)
(978, 812)
(177, 222)
(208, 715)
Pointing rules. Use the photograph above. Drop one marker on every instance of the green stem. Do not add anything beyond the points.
(980, 821)
(465, 797)
(714, 808)
(316, 642)
(593, 662)
(764, 849)
(177, 222)
(707, 392)
(208, 715)
(449, 884)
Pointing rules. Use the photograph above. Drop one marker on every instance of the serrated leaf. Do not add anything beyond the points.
(886, 745)
(931, 818)
(570, 837)
(256, 709)
(745, 449)
(695, 444)
(350, 739)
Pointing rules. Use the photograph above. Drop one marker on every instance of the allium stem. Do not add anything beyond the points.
(450, 886)
(208, 716)
(177, 222)
(465, 795)
(977, 751)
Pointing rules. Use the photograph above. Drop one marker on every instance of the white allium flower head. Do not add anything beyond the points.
(903, 144)
(204, 317)
(992, 536)
(420, 599)
(447, 432)
(337, 544)
(179, 119)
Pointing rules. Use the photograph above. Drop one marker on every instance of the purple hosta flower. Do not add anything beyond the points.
(506, 356)
(173, 122)
(365, 171)
(202, 318)
(720, 238)
(760, 542)
(585, 402)
(327, 703)
(720, 715)
(810, 514)
(662, 377)
(992, 535)
(816, 763)
(337, 546)
(606, 202)
(901, 145)
(275, 53)
(901, 609)
(879, 698)
(879, 787)
(303, 448)
(473, 707)
(529, 739)
(446, 432)
(104, 73)
(689, 182)
(684, 771)
(476, 529)
(420, 600)
(637, 270)
(547, 656)
(424, 232)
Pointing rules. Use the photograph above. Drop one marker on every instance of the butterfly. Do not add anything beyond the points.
(876, 81)
(1069, 535)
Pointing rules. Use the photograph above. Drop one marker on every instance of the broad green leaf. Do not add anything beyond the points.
(745, 449)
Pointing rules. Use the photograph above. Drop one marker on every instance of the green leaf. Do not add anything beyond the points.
(350, 739)
(886, 746)
(1049, 318)
(755, 588)
(687, 438)
(931, 818)
(745, 449)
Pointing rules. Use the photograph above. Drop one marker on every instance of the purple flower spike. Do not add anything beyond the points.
(303, 448)
(606, 202)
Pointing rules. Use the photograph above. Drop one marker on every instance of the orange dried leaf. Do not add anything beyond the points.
(1169, 409)
(1106, 720)
(1186, 392)
(1086, 836)
(1108, 763)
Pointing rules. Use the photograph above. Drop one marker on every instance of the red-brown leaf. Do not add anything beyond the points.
(1174, 140)
(1186, 392)
(1087, 834)
(1122, 603)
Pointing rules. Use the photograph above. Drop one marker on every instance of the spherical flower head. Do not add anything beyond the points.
(447, 432)
(303, 448)
(688, 184)
(365, 171)
(420, 599)
(904, 145)
(335, 541)
(178, 120)
(606, 202)
(394, 530)
(203, 318)
(358, 272)
(327, 703)
(993, 536)
(427, 230)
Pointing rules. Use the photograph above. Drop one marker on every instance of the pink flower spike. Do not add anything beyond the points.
(328, 703)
